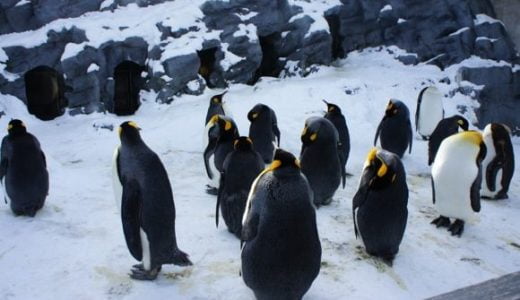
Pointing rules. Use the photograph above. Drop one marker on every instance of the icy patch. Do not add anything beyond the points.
(386, 8)
(482, 18)
(93, 67)
(248, 30)
(459, 31)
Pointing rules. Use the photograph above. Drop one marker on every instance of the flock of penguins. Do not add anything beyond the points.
(272, 209)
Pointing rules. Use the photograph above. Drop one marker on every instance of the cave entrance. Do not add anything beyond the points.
(270, 65)
(44, 91)
(128, 83)
(334, 26)
(207, 59)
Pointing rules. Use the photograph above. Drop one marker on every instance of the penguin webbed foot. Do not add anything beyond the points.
(181, 259)
(501, 195)
(457, 228)
(139, 273)
(441, 221)
(211, 190)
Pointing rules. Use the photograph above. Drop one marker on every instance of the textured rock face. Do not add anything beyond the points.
(238, 41)
(508, 11)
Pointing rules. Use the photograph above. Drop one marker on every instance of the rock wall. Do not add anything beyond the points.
(508, 11)
(238, 41)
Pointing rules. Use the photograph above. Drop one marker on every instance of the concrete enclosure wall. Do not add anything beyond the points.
(508, 11)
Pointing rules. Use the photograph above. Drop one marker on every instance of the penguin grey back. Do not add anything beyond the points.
(395, 129)
(282, 251)
(23, 170)
(320, 158)
(264, 131)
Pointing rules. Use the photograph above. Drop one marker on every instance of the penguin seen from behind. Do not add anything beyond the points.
(281, 254)
(335, 116)
(395, 129)
(264, 131)
(144, 195)
(379, 206)
(240, 169)
(23, 170)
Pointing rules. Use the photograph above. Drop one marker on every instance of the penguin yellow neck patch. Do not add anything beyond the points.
(370, 157)
(472, 136)
(304, 132)
(213, 120)
(228, 126)
(133, 124)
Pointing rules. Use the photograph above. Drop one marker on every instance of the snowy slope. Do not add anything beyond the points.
(75, 248)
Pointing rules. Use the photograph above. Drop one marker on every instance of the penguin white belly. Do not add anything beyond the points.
(215, 182)
(145, 245)
(6, 195)
(116, 183)
(357, 226)
(453, 177)
(227, 112)
(490, 155)
(430, 112)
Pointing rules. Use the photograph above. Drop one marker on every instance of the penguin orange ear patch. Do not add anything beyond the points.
(314, 136)
(9, 127)
(304, 132)
(228, 126)
(382, 170)
(213, 120)
(215, 100)
(460, 122)
(255, 115)
(275, 165)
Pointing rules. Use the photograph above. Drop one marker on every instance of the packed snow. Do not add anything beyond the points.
(75, 249)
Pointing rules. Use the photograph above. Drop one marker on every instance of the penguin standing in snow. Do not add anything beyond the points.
(240, 169)
(429, 111)
(379, 206)
(281, 255)
(444, 129)
(500, 157)
(264, 131)
(23, 170)
(222, 133)
(320, 158)
(395, 129)
(144, 195)
(216, 107)
(335, 116)
(456, 179)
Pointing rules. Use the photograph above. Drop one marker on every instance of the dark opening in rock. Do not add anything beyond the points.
(44, 91)
(207, 64)
(334, 25)
(128, 83)
(271, 64)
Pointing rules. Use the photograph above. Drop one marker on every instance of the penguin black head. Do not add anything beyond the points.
(129, 132)
(318, 129)
(462, 122)
(243, 143)
(217, 99)
(380, 169)
(16, 127)
(257, 111)
(222, 126)
(396, 108)
(332, 108)
(283, 159)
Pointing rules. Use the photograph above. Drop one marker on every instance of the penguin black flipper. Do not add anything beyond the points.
(343, 170)
(475, 193)
(378, 131)
(4, 158)
(492, 171)
(357, 201)
(433, 190)
(276, 132)
(210, 149)
(130, 206)
(419, 101)
(219, 197)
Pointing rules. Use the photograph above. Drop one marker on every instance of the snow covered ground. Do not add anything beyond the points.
(74, 248)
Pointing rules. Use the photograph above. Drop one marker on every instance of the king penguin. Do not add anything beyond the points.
(429, 111)
(335, 116)
(222, 133)
(499, 160)
(456, 179)
(240, 169)
(395, 129)
(320, 158)
(264, 131)
(281, 254)
(23, 170)
(144, 195)
(379, 206)
(444, 129)
(217, 106)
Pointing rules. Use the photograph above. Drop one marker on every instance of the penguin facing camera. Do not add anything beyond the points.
(264, 131)
(395, 130)
(320, 158)
(240, 168)
(281, 253)
(144, 195)
(444, 129)
(335, 116)
(429, 111)
(456, 180)
(23, 170)
(379, 207)
(222, 133)
(499, 164)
